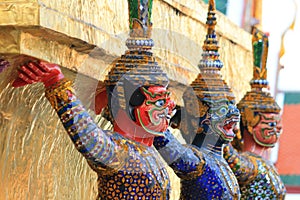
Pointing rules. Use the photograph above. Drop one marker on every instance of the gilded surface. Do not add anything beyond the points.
(226, 28)
(37, 160)
(40, 164)
(177, 36)
(9, 40)
(19, 12)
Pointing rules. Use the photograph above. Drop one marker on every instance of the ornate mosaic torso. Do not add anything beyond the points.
(126, 169)
(140, 175)
(216, 181)
(204, 174)
(266, 184)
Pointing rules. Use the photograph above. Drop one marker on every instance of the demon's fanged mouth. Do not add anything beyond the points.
(229, 125)
(164, 115)
(161, 114)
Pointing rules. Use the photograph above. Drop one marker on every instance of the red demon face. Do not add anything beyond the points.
(155, 111)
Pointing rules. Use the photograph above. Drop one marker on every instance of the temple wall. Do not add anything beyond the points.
(37, 159)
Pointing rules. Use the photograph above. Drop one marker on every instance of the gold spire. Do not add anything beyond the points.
(210, 56)
(137, 67)
(258, 100)
(260, 47)
(140, 24)
(209, 83)
(211, 44)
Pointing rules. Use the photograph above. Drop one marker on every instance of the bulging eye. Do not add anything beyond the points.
(222, 111)
(272, 124)
(160, 103)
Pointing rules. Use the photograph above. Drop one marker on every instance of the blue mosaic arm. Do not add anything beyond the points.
(243, 167)
(180, 158)
(89, 140)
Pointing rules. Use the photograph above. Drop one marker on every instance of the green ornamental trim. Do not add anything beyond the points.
(135, 11)
(292, 98)
(258, 49)
(292, 180)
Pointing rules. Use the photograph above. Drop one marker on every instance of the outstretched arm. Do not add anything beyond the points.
(182, 159)
(243, 167)
(89, 140)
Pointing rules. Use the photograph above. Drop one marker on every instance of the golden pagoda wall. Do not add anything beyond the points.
(37, 159)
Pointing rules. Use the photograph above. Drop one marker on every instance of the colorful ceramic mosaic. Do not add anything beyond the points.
(127, 164)
(258, 100)
(257, 177)
(137, 67)
(126, 169)
(204, 173)
(260, 128)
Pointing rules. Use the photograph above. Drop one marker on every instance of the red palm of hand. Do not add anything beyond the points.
(32, 72)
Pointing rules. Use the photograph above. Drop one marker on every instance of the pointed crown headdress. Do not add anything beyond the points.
(209, 84)
(137, 66)
(258, 99)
